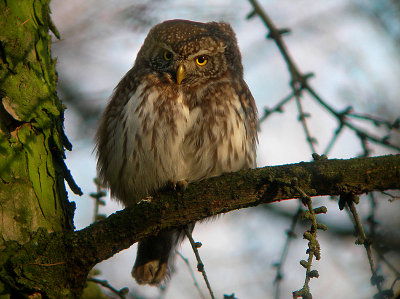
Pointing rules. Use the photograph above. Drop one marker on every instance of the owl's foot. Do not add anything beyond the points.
(147, 199)
(179, 186)
(153, 272)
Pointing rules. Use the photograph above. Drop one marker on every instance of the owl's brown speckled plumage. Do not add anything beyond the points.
(183, 112)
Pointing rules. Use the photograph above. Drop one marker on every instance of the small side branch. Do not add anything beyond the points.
(186, 261)
(98, 197)
(200, 265)
(303, 119)
(277, 108)
(314, 249)
(290, 236)
(104, 283)
(349, 200)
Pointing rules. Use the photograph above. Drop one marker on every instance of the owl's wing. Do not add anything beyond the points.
(220, 134)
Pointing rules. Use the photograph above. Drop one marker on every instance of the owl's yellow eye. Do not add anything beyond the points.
(167, 56)
(201, 60)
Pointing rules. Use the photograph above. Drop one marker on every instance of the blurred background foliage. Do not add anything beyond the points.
(352, 47)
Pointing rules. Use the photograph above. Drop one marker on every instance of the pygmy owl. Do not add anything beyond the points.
(182, 113)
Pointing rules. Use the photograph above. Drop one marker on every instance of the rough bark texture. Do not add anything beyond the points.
(32, 192)
(234, 191)
(40, 254)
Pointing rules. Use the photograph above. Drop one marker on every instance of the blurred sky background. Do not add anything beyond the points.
(353, 49)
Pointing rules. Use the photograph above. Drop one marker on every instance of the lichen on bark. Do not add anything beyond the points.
(32, 191)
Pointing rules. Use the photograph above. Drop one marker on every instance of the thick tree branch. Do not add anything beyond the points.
(230, 192)
(73, 254)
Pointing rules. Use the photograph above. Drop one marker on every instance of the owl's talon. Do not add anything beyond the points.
(181, 186)
(178, 186)
(147, 199)
(171, 185)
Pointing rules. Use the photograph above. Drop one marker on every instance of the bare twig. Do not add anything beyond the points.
(275, 34)
(393, 269)
(392, 197)
(376, 120)
(290, 236)
(104, 283)
(333, 139)
(372, 216)
(303, 119)
(372, 234)
(186, 261)
(350, 199)
(299, 83)
(341, 117)
(277, 108)
(99, 201)
(200, 265)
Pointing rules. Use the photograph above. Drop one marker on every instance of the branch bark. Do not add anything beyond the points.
(230, 192)
(73, 254)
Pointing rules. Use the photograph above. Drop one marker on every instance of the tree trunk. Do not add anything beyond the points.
(32, 191)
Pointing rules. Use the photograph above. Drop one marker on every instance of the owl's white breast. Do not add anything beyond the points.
(159, 139)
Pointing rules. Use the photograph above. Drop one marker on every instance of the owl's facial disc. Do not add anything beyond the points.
(190, 63)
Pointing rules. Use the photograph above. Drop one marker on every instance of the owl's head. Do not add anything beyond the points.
(190, 53)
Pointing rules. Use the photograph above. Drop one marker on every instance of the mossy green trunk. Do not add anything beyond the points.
(32, 191)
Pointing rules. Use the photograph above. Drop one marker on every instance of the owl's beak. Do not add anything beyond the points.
(180, 74)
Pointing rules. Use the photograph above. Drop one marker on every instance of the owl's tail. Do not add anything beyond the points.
(155, 256)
